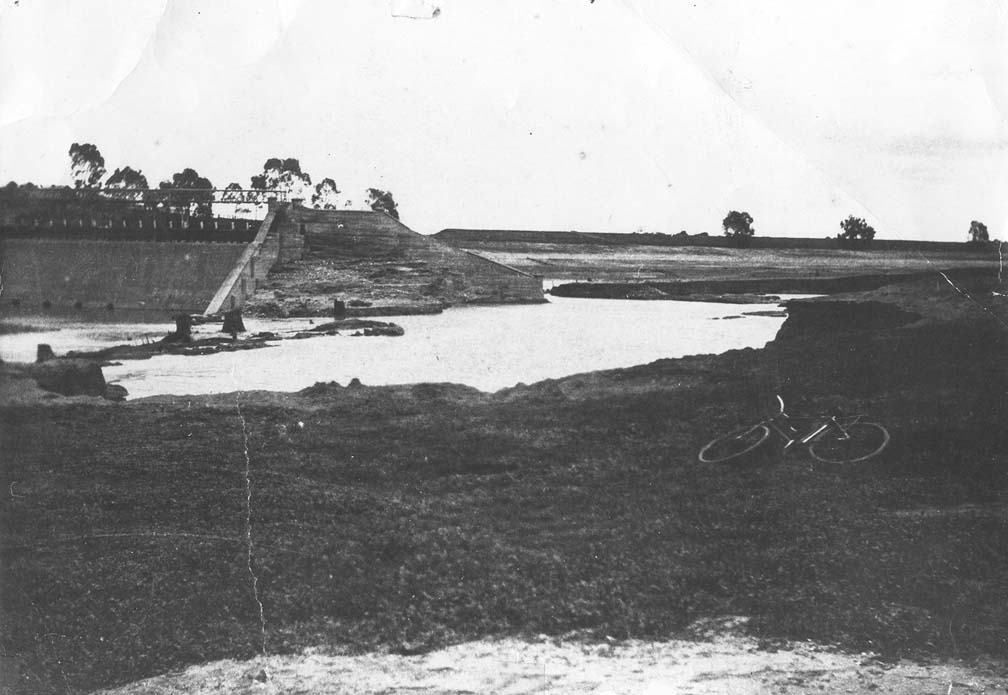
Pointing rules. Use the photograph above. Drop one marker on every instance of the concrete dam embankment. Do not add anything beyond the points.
(42, 272)
(61, 275)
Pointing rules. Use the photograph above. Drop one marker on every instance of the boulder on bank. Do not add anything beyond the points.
(69, 377)
(28, 383)
(115, 392)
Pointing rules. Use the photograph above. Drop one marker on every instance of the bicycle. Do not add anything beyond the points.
(832, 438)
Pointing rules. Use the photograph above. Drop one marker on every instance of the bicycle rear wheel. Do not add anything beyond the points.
(857, 442)
(735, 444)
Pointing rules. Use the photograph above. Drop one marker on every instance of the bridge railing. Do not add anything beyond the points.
(140, 226)
(251, 203)
(248, 203)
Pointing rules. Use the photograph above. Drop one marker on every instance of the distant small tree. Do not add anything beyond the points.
(326, 195)
(87, 166)
(855, 229)
(195, 192)
(380, 200)
(738, 226)
(978, 232)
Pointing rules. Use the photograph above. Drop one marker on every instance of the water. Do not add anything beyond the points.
(486, 347)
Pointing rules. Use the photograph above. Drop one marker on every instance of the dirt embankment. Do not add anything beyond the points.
(753, 288)
(372, 286)
(148, 536)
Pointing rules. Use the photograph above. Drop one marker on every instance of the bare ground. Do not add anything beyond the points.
(724, 664)
(642, 263)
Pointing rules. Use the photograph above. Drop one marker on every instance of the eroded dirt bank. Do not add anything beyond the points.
(726, 664)
(413, 517)
(754, 287)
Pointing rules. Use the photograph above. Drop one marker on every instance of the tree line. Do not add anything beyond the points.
(189, 190)
(855, 231)
(195, 192)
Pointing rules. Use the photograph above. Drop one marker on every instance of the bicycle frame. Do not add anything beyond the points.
(830, 439)
(792, 435)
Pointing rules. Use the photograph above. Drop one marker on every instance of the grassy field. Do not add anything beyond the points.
(410, 517)
(628, 263)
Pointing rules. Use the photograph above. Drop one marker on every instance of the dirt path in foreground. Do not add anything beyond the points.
(725, 665)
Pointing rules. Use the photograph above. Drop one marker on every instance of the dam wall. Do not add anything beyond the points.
(140, 265)
(70, 276)
(121, 268)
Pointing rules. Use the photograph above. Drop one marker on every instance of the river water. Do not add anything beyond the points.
(489, 347)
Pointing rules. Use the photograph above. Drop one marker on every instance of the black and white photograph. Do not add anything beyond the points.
(546, 347)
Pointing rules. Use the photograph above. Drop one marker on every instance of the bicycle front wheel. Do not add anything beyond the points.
(735, 444)
(857, 442)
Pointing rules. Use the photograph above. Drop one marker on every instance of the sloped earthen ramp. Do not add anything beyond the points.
(374, 234)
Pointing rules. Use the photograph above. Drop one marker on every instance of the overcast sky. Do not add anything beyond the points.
(651, 115)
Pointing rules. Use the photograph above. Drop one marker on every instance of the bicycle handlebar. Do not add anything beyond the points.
(834, 413)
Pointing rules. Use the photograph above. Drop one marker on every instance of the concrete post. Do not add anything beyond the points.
(44, 353)
(183, 329)
(233, 323)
